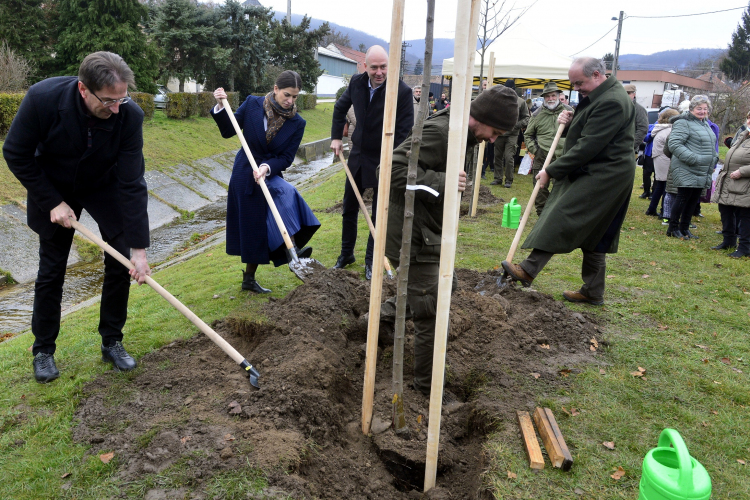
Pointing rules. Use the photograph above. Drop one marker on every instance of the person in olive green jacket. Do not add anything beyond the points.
(593, 181)
(505, 146)
(493, 113)
(732, 193)
(539, 136)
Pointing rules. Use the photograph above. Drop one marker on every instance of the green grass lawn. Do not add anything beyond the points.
(169, 142)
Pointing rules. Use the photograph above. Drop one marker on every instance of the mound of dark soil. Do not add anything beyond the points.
(189, 403)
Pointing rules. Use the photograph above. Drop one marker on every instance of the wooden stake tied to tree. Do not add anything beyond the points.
(480, 160)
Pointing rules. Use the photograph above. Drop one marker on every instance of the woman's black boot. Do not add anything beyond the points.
(674, 231)
(249, 283)
(725, 244)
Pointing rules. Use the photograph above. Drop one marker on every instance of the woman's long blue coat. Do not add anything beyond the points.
(247, 233)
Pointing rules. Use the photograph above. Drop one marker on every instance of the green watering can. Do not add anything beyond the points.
(670, 473)
(511, 214)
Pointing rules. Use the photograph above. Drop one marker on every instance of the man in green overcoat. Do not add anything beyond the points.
(593, 182)
(493, 113)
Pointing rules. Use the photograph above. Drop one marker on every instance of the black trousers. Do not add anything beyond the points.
(351, 215)
(48, 290)
(489, 158)
(648, 171)
(656, 194)
(735, 222)
(683, 208)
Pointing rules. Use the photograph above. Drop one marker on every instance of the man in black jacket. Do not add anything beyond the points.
(77, 143)
(366, 92)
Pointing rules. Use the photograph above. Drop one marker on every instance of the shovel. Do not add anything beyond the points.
(251, 371)
(364, 210)
(301, 267)
(506, 278)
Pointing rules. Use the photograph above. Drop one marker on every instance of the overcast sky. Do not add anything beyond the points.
(569, 26)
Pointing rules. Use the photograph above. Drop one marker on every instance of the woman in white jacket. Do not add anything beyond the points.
(659, 135)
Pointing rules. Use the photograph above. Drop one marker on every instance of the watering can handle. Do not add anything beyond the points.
(672, 437)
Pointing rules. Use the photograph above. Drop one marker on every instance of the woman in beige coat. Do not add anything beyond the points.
(732, 193)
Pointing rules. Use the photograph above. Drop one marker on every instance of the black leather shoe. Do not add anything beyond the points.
(344, 261)
(508, 184)
(249, 284)
(119, 357)
(496, 182)
(676, 234)
(643, 196)
(368, 272)
(651, 213)
(44, 368)
(690, 235)
(737, 254)
(304, 252)
(723, 246)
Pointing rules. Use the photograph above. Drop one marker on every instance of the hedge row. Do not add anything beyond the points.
(9, 104)
(145, 101)
(304, 101)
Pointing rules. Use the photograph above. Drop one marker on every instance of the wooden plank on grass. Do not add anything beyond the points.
(536, 460)
(568, 461)
(548, 438)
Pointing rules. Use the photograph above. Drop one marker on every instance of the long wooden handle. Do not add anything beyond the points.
(215, 337)
(480, 160)
(530, 204)
(262, 182)
(362, 206)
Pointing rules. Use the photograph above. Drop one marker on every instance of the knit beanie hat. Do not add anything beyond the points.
(496, 107)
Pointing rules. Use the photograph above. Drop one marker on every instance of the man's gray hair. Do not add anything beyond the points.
(589, 65)
(698, 100)
(104, 69)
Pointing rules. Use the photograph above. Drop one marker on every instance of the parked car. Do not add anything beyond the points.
(653, 115)
(161, 97)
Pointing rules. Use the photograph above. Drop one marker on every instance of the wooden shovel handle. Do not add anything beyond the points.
(262, 182)
(530, 204)
(215, 337)
(362, 205)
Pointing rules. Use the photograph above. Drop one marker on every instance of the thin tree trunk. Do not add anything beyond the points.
(399, 421)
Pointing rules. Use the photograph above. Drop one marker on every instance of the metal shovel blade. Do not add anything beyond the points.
(305, 267)
(252, 373)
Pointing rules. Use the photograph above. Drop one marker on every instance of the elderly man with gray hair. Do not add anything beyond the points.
(593, 180)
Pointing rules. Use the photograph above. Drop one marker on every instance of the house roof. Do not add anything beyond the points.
(633, 75)
(714, 79)
(355, 55)
(336, 55)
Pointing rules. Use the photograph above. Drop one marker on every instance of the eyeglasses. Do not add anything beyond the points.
(111, 102)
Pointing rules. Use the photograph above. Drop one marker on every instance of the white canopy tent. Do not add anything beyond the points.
(529, 62)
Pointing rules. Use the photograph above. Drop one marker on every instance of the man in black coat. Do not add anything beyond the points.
(366, 92)
(75, 143)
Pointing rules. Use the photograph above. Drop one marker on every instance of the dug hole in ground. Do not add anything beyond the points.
(190, 406)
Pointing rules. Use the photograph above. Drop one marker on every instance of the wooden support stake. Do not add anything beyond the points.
(536, 460)
(467, 21)
(384, 192)
(485, 144)
(548, 438)
(568, 458)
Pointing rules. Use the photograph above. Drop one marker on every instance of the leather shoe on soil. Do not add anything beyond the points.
(368, 272)
(44, 368)
(343, 261)
(737, 254)
(579, 297)
(517, 273)
(723, 246)
(119, 357)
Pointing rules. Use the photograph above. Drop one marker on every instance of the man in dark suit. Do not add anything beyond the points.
(366, 92)
(77, 143)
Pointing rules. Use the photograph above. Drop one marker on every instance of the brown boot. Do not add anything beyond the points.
(517, 273)
(579, 297)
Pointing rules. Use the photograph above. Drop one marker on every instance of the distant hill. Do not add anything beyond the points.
(443, 49)
(670, 59)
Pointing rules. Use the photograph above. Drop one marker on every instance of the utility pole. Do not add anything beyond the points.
(617, 46)
(289, 12)
(403, 60)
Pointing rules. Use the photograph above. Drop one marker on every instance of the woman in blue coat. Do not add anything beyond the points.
(273, 131)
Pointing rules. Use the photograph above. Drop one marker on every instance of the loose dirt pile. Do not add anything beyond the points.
(190, 406)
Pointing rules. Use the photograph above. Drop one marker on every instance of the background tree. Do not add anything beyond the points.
(14, 70)
(494, 20)
(362, 47)
(245, 44)
(181, 39)
(293, 47)
(27, 26)
(87, 26)
(609, 59)
(418, 67)
(336, 37)
(737, 63)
